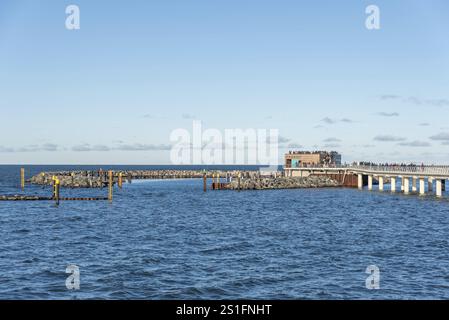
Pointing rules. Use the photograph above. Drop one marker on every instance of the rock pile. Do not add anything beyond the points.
(283, 183)
(70, 181)
(250, 180)
(99, 179)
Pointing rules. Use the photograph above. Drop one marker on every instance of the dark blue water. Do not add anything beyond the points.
(169, 240)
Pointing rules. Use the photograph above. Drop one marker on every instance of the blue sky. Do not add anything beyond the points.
(113, 91)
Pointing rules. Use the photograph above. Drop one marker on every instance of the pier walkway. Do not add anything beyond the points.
(420, 179)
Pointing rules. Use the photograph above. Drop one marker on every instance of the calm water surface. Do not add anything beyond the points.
(169, 240)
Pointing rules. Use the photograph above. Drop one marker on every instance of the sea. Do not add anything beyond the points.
(168, 239)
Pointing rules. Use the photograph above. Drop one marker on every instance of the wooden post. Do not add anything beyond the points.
(53, 178)
(110, 185)
(239, 181)
(22, 178)
(56, 186)
(120, 180)
(204, 182)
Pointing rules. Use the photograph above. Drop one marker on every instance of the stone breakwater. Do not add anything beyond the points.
(249, 180)
(99, 179)
(77, 180)
(283, 183)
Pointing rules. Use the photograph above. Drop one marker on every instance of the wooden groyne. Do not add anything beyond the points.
(56, 183)
(19, 197)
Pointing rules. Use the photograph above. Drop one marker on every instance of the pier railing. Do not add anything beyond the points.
(441, 170)
(404, 169)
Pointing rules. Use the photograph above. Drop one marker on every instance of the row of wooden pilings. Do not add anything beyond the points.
(216, 181)
(57, 188)
(217, 184)
(56, 183)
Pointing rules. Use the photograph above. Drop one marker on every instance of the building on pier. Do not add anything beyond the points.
(301, 159)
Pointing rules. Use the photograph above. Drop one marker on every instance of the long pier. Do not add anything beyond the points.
(414, 179)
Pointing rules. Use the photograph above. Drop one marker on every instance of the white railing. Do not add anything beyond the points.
(400, 169)
(411, 169)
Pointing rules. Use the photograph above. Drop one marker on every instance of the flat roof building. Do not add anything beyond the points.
(298, 159)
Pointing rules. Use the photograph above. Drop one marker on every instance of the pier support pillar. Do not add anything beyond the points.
(393, 184)
(439, 188)
(443, 185)
(360, 181)
(406, 185)
(430, 184)
(414, 184)
(402, 184)
(422, 186)
(370, 182)
(381, 183)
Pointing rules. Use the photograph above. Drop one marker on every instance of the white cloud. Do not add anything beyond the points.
(388, 138)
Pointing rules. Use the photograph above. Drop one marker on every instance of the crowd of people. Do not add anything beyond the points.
(413, 167)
